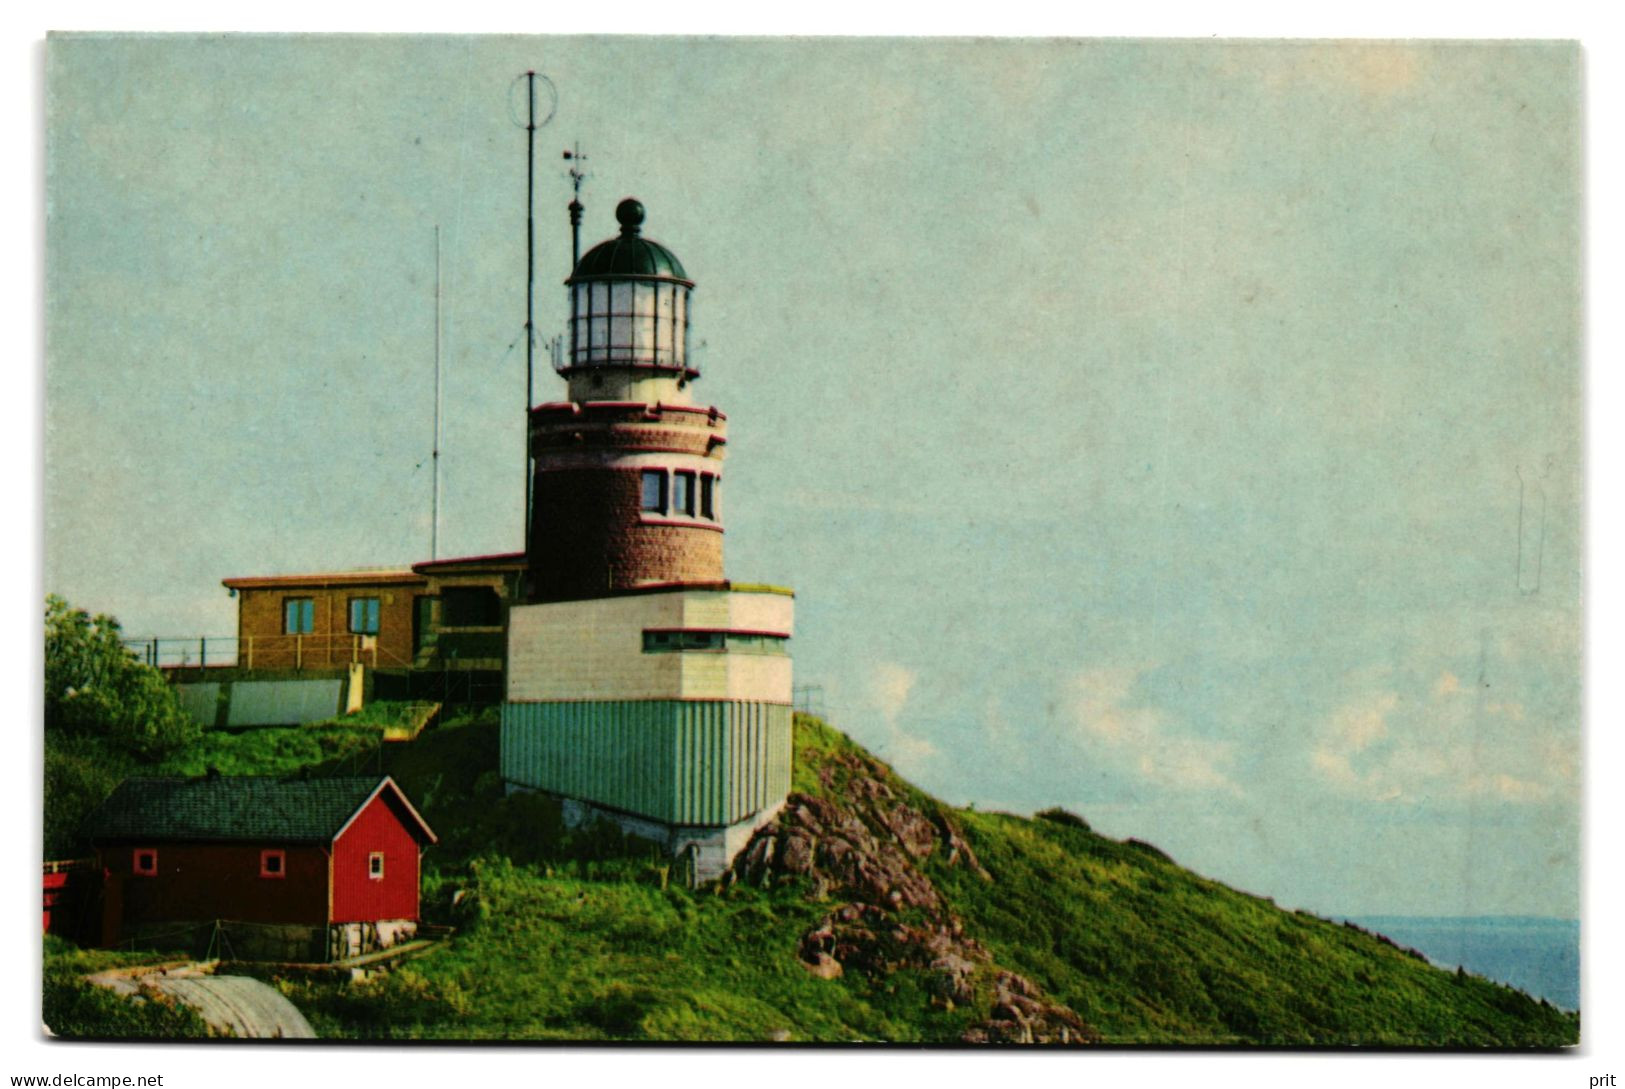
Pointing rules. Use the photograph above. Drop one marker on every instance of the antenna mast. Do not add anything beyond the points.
(434, 517)
(530, 285)
(530, 126)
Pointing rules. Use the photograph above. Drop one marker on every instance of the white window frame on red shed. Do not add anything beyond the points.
(375, 866)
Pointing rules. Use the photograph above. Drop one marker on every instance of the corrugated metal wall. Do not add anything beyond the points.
(709, 762)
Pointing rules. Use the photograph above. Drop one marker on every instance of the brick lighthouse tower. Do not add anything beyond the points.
(642, 687)
(628, 470)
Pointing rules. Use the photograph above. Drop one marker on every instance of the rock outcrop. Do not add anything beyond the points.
(866, 852)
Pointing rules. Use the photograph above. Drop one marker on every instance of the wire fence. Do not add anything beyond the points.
(235, 939)
(201, 651)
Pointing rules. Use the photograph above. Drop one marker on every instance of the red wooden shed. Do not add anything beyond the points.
(283, 869)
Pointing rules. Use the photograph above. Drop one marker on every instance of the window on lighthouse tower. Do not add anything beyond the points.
(682, 493)
(654, 490)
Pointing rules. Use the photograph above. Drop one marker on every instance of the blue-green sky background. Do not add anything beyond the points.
(1185, 434)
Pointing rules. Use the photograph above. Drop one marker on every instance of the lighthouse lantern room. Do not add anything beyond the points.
(629, 303)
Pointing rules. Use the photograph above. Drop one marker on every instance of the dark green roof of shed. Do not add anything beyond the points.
(235, 808)
(631, 255)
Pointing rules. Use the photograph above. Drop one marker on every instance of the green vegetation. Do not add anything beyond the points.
(273, 751)
(396, 720)
(96, 687)
(76, 1008)
(1149, 952)
(604, 952)
(565, 935)
(79, 773)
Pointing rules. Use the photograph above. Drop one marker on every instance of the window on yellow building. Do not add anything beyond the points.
(298, 615)
(364, 615)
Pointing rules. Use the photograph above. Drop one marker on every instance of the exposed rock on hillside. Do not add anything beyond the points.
(867, 851)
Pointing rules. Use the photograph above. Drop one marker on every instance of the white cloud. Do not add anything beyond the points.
(1448, 744)
(1139, 738)
(1098, 699)
(908, 751)
(890, 685)
(1359, 725)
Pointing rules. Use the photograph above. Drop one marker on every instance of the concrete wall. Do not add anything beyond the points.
(284, 703)
(200, 701)
(710, 848)
(593, 650)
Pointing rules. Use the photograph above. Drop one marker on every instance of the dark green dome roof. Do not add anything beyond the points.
(631, 255)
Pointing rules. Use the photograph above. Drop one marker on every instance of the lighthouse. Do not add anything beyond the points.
(643, 687)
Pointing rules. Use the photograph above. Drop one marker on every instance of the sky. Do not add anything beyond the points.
(1186, 434)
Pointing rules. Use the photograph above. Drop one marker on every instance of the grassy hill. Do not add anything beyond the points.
(868, 911)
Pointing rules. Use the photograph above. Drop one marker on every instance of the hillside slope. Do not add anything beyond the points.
(1148, 952)
(868, 911)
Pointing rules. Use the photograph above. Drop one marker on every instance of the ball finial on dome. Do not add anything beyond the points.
(630, 214)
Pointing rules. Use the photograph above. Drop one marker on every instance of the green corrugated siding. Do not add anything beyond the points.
(677, 761)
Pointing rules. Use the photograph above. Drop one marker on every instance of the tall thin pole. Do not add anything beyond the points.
(434, 518)
(530, 286)
(575, 157)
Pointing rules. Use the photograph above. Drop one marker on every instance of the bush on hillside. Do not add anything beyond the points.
(96, 687)
(80, 773)
(1057, 815)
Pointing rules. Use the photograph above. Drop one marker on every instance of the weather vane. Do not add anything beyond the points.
(575, 157)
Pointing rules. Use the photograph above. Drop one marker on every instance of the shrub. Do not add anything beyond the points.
(73, 1007)
(96, 687)
(1057, 815)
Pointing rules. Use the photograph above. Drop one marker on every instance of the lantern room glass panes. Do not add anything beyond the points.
(640, 323)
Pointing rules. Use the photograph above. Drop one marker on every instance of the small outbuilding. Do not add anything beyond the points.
(298, 869)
